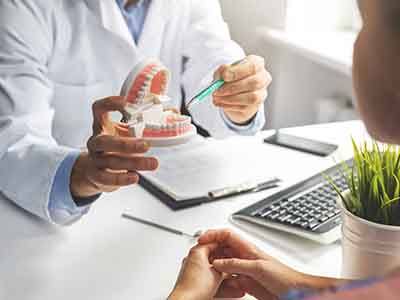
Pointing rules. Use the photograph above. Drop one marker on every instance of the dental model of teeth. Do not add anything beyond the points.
(145, 90)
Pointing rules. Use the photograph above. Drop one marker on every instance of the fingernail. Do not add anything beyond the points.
(132, 176)
(229, 76)
(154, 164)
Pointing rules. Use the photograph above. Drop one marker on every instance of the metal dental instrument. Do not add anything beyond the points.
(162, 227)
(215, 85)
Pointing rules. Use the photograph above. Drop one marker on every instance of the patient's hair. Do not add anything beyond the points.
(391, 14)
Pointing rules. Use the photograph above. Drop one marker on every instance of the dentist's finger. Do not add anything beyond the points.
(249, 67)
(132, 163)
(232, 108)
(107, 181)
(115, 144)
(253, 83)
(248, 98)
(101, 108)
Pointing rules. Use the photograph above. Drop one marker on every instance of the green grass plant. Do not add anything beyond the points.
(374, 183)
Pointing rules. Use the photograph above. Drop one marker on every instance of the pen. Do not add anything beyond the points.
(215, 85)
(161, 227)
(249, 187)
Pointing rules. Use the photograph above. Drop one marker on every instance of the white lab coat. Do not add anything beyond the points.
(58, 57)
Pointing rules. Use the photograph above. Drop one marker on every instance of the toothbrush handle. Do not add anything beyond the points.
(211, 89)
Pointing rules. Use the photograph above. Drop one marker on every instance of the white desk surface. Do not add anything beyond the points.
(106, 257)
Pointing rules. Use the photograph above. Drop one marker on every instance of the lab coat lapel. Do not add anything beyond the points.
(111, 18)
(151, 38)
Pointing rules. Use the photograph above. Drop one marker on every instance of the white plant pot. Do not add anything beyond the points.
(369, 249)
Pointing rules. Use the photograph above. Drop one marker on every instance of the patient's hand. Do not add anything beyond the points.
(198, 280)
(257, 273)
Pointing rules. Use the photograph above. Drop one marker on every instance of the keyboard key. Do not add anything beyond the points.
(330, 214)
(296, 204)
(297, 212)
(289, 207)
(273, 216)
(294, 220)
(284, 203)
(304, 209)
(266, 212)
(284, 218)
(323, 218)
(313, 225)
(304, 224)
(305, 216)
(318, 216)
(298, 222)
(275, 206)
(283, 211)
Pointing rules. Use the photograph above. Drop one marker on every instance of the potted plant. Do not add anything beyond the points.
(371, 211)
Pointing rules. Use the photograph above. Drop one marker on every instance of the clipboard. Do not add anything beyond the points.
(211, 170)
(212, 196)
(168, 199)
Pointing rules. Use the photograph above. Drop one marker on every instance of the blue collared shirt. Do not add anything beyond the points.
(135, 16)
(62, 207)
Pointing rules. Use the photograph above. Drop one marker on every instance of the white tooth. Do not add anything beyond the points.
(155, 71)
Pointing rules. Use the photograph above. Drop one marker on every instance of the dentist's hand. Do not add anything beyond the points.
(112, 158)
(257, 273)
(245, 89)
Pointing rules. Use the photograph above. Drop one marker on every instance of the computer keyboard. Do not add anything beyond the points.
(308, 209)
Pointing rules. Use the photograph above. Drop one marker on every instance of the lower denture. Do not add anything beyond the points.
(153, 79)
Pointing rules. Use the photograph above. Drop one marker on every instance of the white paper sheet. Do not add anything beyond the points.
(192, 170)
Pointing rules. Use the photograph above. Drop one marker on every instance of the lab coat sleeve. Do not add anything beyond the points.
(208, 45)
(250, 129)
(29, 156)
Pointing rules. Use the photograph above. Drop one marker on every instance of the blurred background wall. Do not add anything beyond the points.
(308, 48)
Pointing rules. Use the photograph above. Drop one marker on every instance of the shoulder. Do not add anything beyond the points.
(26, 26)
(204, 8)
(34, 8)
(27, 15)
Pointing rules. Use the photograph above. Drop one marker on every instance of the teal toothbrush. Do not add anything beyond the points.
(215, 85)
